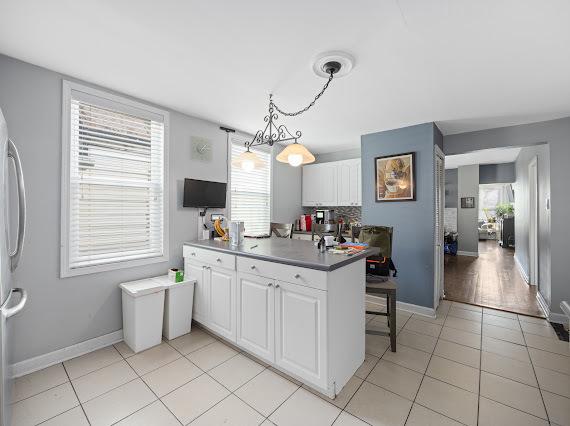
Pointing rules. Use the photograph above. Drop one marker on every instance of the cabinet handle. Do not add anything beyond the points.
(252, 267)
(269, 284)
(192, 254)
(297, 276)
(218, 260)
(277, 285)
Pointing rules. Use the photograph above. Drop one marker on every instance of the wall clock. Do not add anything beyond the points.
(201, 148)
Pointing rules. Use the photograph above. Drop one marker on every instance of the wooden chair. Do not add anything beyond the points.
(281, 230)
(383, 287)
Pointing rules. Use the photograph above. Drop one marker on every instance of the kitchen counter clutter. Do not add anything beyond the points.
(281, 300)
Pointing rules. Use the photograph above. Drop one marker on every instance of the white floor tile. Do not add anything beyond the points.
(399, 380)
(508, 367)
(423, 327)
(92, 361)
(547, 344)
(467, 306)
(153, 358)
(461, 337)
(231, 411)
(378, 406)
(463, 324)
(152, 415)
(439, 318)
(492, 413)
(192, 341)
(211, 356)
(501, 333)
(417, 341)
(347, 392)
(496, 312)
(44, 406)
(367, 366)
(376, 345)
(512, 324)
(39, 381)
(73, 417)
(421, 416)
(165, 379)
(408, 357)
(266, 391)
(506, 349)
(454, 373)
(558, 408)
(303, 405)
(458, 353)
(98, 382)
(514, 394)
(550, 360)
(448, 400)
(124, 349)
(346, 419)
(535, 320)
(465, 314)
(118, 403)
(195, 398)
(236, 371)
(553, 381)
(539, 329)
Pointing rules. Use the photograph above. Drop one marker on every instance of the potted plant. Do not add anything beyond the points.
(505, 210)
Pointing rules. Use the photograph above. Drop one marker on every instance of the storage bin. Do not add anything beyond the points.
(143, 306)
(178, 301)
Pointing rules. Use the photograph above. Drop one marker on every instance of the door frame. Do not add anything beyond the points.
(533, 275)
(438, 270)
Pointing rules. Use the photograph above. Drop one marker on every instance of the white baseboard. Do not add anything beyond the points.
(467, 253)
(523, 273)
(542, 304)
(43, 361)
(408, 307)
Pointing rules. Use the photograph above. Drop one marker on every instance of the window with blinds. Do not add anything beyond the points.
(115, 183)
(250, 191)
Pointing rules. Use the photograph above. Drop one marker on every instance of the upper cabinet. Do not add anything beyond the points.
(338, 183)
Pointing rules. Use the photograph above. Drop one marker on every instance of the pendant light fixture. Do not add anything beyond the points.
(327, 65)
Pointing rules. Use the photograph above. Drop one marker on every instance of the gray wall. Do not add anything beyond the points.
(413, 221)
(286, 187)
(337, 156)
(63, 312)
(467, 186)
(557, 134)
(497, 173)
(522, 214)
(451, 188)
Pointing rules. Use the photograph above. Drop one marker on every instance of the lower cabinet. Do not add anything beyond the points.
(300, 331)
(201, 290)
(255, 315)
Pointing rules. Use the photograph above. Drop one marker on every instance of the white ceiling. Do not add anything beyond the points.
(484, 156)
(465, 64)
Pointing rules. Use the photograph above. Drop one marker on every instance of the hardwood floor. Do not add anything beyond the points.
(490, 280)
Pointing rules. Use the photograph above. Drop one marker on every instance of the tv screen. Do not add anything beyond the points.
(203, 193)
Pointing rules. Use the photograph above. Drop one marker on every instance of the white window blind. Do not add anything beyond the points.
(250, 194)
(116, 194)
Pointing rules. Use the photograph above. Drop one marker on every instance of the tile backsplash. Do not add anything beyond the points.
(350, 214)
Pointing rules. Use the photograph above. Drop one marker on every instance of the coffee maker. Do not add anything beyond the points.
(326, 217)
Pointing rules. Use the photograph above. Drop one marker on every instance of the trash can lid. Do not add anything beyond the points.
(166, 282)
(141, 287)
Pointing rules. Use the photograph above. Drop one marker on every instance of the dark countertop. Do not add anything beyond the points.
(284, 250)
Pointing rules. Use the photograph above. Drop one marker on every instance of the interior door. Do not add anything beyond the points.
(201, 290)
(300, 331)
(256, 315)
(222, 315)
(439, 205)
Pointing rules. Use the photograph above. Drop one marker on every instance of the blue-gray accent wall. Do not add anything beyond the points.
(413, 221)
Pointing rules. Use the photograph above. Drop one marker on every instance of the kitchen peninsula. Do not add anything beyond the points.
(284, 302)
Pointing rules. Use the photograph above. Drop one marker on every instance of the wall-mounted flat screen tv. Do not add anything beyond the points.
(203, 193)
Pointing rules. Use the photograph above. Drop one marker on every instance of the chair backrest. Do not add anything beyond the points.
(320, 229)
(376, 236)
(281, 230)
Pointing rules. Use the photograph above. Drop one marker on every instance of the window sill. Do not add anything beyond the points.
(66, 272)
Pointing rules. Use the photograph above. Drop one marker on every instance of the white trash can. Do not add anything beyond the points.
(143, 306)
(178, 302)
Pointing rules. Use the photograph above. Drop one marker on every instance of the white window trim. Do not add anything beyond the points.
(65, 271)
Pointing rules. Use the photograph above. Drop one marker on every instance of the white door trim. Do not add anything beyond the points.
(533, 221)
(439, 197)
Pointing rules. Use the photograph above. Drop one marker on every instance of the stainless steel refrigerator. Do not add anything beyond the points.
(12, 298)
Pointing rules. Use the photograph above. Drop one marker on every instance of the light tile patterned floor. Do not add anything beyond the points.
(466, 366)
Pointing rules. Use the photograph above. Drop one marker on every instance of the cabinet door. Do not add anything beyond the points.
(310, 185)
(201, 290)
(359, 183)
(255, 315)
(222, 315)
(345, 189)
(327, 188)
(300, 331)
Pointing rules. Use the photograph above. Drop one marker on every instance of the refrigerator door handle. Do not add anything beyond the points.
(15, 255)
(8, 312)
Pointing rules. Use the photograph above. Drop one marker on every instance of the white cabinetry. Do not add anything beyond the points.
(201, 290)
(338, 183)
(320, 185)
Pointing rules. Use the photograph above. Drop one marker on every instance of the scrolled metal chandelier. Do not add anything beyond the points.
(294, 154)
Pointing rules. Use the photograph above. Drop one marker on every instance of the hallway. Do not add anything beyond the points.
(490, 280)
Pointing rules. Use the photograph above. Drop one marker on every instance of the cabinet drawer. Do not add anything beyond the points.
(288, 273)
(211, 257)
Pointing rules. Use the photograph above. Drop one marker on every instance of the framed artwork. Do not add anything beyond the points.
(396, 178)
(467, 202)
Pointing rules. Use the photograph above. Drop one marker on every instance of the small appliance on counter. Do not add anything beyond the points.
(325, 217)
(306, 222)
(236, 233)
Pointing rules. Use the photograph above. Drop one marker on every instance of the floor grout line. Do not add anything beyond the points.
(75, 392)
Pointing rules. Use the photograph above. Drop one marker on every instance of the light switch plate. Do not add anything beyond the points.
(201, 148)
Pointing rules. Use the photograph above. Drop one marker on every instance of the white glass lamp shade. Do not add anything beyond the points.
(295, 154)
(247, 161)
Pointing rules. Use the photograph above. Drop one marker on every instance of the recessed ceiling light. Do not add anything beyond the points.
(341, 63)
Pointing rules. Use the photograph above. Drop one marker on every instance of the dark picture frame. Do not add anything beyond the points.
(467, 202)
(395, 177)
